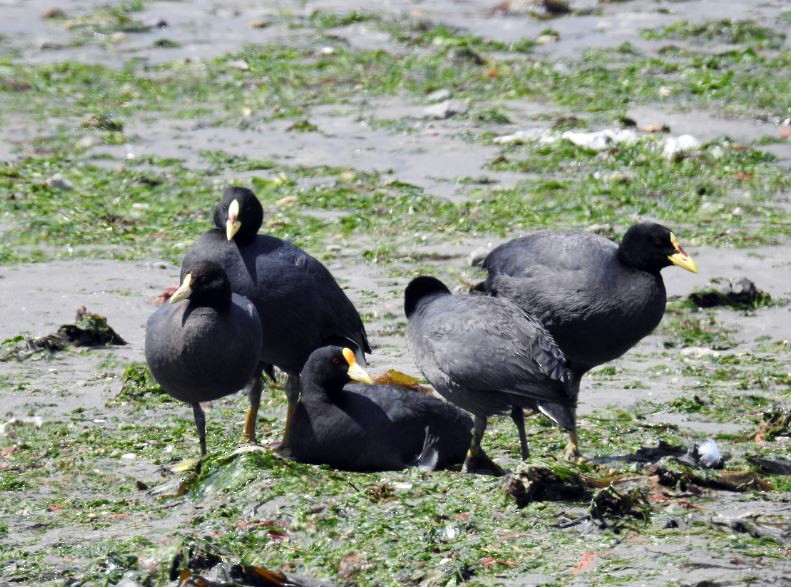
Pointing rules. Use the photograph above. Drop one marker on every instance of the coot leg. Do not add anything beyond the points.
(478, 461)
(518, 416)
(572, 452)
(292, 393)
(200, 424)
(254, 398)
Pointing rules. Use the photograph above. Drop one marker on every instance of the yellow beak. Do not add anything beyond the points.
(184, 291)
(355, 372)
(232, 225)
(680, 257)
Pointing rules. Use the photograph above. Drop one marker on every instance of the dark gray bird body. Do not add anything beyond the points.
(208, 347)
(372, 427)
(595, 306)
(486, 355)
(199, 353)
(299, 302)
(596, 298)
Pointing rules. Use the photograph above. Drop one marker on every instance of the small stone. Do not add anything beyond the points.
(546, 39)
(445, 109)
(287, 201)
(53, 13)
(259, 23)
(655, 128)
(58, 182)
(465, 55)
(101, 121)
(620, 177)
(118, 37)
(326, 51)
(556, 7)
(439, 95)
(676, 148)
(86, 142)
(239, 64)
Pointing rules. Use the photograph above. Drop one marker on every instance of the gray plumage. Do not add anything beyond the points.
(299, 302)
(596, 298)
(207, 347)
(200, 354)
(372, 427)
(485, 354)
(596, 306)
(488, 357)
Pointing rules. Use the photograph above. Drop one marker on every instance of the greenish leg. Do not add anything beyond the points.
(200, 424)
(518, 416)
(254, 398)
(292, 393)
(477, 460)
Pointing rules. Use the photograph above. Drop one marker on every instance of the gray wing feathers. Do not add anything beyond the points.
(489, 344)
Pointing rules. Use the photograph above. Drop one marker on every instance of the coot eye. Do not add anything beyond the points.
(336, 361)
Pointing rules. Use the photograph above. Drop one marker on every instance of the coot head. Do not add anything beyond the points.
(651, 247)
(239, 214)
(332, 367)
(420, 288)
(205, 284)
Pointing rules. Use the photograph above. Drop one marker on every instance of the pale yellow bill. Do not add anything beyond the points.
(184, 291)
(232, 225)
(355, 372)
(680, 257)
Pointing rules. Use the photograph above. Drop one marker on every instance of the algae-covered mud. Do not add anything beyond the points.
(391, 141)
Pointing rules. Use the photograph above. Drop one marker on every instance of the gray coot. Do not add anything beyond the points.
(596, 298)
(371, 427)
(487, 356)
(300, 304)
(207, 348)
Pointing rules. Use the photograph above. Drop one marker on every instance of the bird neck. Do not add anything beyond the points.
(628, 258)
(316, 387)
(217, 298)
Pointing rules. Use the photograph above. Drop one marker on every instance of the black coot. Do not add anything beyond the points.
(207, 348)
(371, 427)
(300, 304)
(488, 357)
(596, 298)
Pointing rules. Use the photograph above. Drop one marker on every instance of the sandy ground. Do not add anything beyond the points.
(37, 298)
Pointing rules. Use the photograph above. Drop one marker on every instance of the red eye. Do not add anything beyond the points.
(336, 361)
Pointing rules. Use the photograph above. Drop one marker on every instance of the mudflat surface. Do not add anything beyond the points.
(389, 141)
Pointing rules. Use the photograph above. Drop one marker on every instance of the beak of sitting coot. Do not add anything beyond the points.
(232, 225)
(184, 291)
(355, 372)
(680, 257)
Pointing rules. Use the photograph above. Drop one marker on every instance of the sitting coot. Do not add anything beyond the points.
(488, 357)
(207, 348)
(300, 304)
(371, 427)
(596, 298)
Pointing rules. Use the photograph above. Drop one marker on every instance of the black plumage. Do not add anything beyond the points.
(371, 427)
(486, 356)
(596, 298)
(206, 348)
(300, 304)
